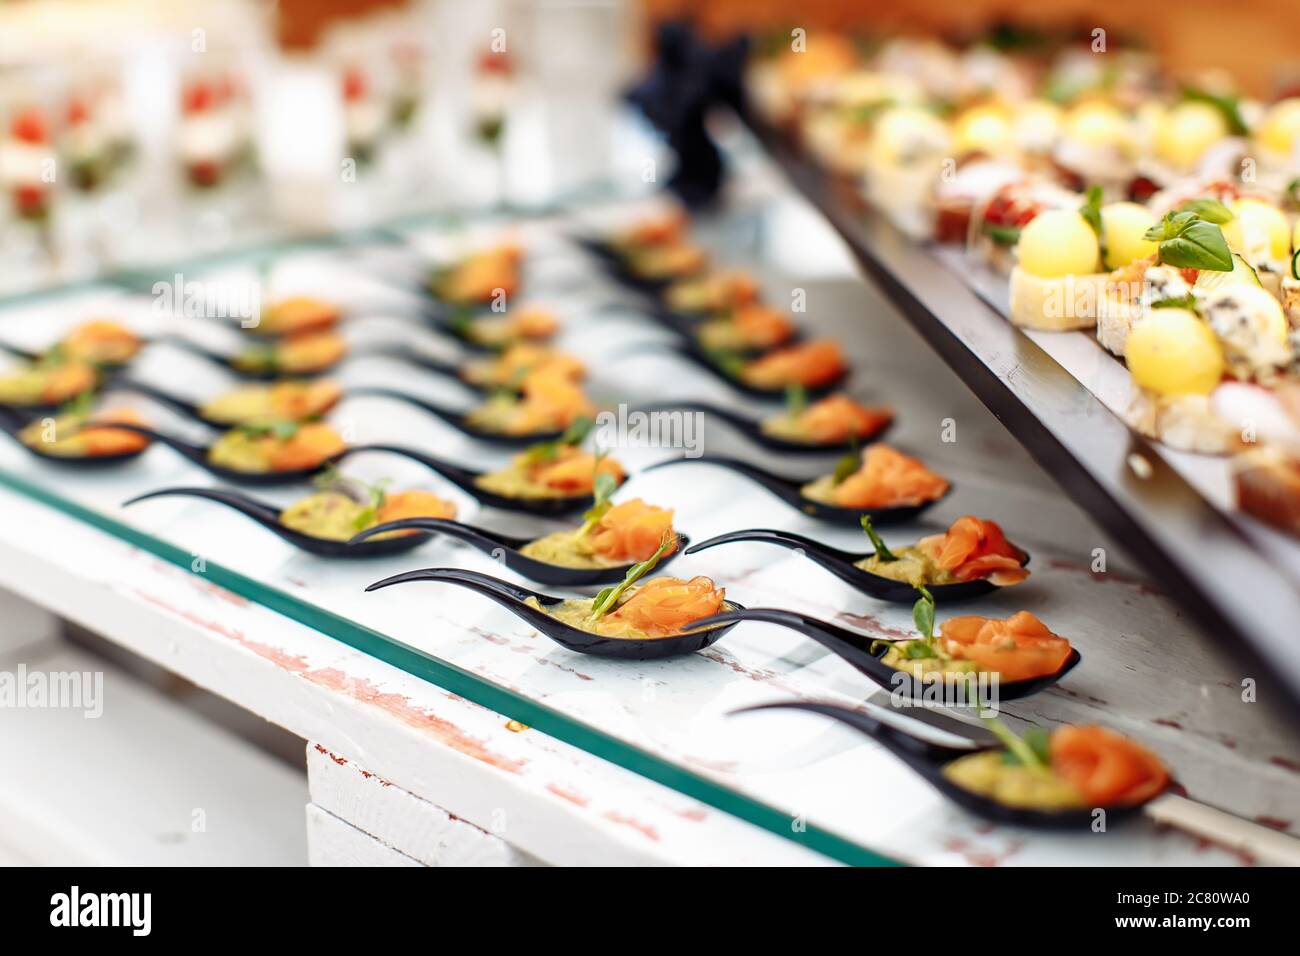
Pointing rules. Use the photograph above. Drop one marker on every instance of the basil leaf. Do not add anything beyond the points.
(1091, 209)
(1211, 210)
(1229, 106)
(1198, 245)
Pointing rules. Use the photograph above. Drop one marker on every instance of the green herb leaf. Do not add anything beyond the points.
(603, 488)
(846, 466)
(1228, 105)
(1198, 245)
(1002, 235)
(796, 399)
(1091, 209)
(882, 551)
(923, 614)
(607, 599)
(917, 650)
(574, 435)
(1019, 750)
(1179, 302)
(1211, 210)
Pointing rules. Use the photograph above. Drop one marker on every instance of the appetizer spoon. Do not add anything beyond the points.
(929, 759)
(695, 353)
(844, 565)
(789, 491)
(457, 420)
(268, 516)
(512, 597)
(752, 429)
(864, 653)
(12, 423)
(228, 360)
(198, 454)
(506, 549)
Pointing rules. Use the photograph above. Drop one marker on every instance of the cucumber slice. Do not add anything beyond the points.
(1295, 265)
(1242, 274)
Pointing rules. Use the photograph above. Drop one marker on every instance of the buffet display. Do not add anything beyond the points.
(1158, 214)
(84, 403)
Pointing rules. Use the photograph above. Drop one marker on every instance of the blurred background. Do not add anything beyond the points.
(136, 132)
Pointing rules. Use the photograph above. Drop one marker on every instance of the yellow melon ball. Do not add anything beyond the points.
(1097, 123)
(1280, 128)
(1058, 242)
(982, 129)
(1172, 352)
(1257, 229)
(1187, 131)
(1124, 224)
(904, 132)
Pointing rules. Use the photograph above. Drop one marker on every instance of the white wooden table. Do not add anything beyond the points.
(403, 771)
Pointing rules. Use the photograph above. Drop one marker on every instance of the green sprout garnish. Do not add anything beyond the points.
(280, 429)
(847, 465)
(882, 550)
(608, 598)
(796, 399)
(574, 435)
(923, 617)
(603, 487)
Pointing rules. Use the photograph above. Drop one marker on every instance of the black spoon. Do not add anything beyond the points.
(752, 429)
(864, 653)
(843, 564)
(28, 355)
(929, 759)
(198, 454)
(512, 597)
(789, 491)
(11, 424)
(692, 351)
(506, 548)
(458, 420)
(268, 516)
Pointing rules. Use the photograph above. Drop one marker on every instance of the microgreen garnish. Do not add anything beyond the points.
(1190, 242)
(574, 435)
(608, 598)
(846, 465)
(79, 405)
(1177, 302)
(882, 551)
(796, 399)
(1091, 208)
(603, 487)
(280, 429)
(370, 514)
(923, 614)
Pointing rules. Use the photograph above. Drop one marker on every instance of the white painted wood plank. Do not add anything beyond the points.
(400, 819)
(334, 842)
(143, 784)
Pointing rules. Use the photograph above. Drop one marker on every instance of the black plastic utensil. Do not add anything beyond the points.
(864, 653)
(752, 429)
(929, 759)
(512, 597)
(698, 356)
(456, 419)
(844, 565)
(506, 549)
(789, 491)
(12, 424)
(268, 516)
